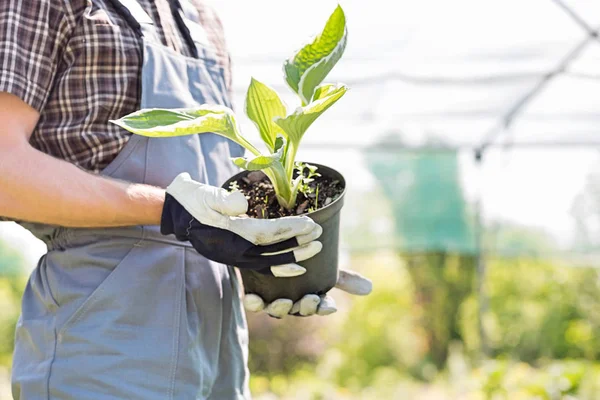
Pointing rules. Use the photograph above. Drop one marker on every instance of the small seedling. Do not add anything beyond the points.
(234, 187)
(306, 179)
(281, 132)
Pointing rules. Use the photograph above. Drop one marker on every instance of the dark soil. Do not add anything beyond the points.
(262, 202)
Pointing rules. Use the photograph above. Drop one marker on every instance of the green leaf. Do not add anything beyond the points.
(314, 75)
(143, 120)
(326, 90)
(262, 105)
(296, 124)
(292, 75)
(260, 162)
(207, 118)
(179, 122)
(279, 143)
(295, 187)
(309, 67)
(256, 164)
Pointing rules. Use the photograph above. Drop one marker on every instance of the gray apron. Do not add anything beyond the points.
(127, 313)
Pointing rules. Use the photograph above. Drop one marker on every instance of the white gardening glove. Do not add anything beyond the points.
(311, 304)
(207, 217)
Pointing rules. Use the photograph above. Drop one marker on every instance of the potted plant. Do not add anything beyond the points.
(274, 182)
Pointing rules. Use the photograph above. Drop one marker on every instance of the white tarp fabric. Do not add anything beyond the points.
(454, 71)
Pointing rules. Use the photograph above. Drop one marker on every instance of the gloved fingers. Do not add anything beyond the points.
(287, 245)
(312, 235)
(306, 306)
(281, 247)
(287, 270)
(295, 308)
(253, 303)
(298, 254)
(224, 202)
(269, 231)
(326, 306)
(208, 204)
(307, 251)
(279, 308)
(354, 283)
(267, 260)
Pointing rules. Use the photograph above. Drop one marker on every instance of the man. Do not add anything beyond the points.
(134, 299)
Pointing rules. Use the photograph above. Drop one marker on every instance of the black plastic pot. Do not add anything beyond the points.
(321, 270)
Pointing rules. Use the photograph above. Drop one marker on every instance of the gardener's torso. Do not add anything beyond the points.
(96, 75)
(96, 78)
(127, 312)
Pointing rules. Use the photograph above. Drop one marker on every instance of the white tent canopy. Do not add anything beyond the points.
(457, 70)
(454, 68)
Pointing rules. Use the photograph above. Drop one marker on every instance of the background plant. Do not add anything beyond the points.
(543, 325)
(280, 132)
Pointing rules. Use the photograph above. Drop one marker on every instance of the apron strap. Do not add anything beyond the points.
(184, 28)
(192, 17)
(135, 16)
(133, 13)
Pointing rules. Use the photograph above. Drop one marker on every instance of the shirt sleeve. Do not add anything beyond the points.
(32, 35)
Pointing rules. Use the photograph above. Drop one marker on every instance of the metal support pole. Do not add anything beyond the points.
(480, 257)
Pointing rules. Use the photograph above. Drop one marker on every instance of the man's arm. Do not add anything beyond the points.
(36, 187)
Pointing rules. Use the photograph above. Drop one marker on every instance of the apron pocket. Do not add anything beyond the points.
(97, 294)
(123, 341)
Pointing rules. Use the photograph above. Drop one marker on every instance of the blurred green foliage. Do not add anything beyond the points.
(12, 283)
(442, 282)
(435, 231)
(543, 310)
(11, 289)
(495, 380)
(543, 324)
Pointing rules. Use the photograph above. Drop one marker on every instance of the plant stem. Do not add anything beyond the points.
(283, 190)
(290, 161)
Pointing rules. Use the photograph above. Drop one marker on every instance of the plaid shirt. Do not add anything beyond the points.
(78, 63)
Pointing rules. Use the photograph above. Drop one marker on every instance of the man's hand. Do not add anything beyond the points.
(208, 217)
(311, 304)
